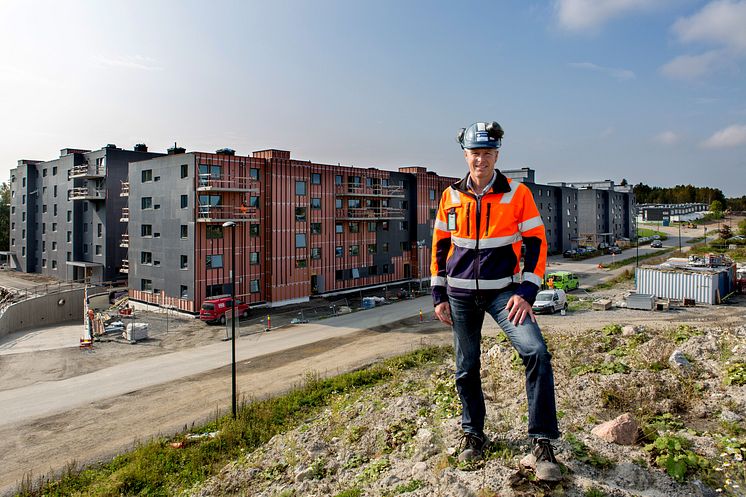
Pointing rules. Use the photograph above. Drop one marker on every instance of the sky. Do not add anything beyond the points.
(649, 91)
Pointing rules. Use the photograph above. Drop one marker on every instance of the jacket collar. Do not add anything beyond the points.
(500, 184)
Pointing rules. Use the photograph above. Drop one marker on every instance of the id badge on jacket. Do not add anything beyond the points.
(452, 220)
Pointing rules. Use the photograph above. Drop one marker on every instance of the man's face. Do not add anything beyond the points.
(481, 163)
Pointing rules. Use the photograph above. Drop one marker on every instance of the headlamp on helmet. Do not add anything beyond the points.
(481, 135)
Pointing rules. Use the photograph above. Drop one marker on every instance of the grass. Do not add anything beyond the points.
(620, 278)
(156, 468)
(642, 232)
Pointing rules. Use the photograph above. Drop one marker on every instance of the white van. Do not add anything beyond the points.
(550, 301)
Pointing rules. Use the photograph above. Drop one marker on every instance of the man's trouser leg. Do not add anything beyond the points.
(528, 341)
(467, 333)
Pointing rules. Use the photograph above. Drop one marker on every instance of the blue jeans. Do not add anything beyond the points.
(468, 317)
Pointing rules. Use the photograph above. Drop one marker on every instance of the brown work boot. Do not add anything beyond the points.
(542, 461)
(473, 447)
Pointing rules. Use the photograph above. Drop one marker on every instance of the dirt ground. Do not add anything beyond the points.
(101, 429)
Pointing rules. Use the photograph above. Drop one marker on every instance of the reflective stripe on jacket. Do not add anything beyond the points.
(482, 251)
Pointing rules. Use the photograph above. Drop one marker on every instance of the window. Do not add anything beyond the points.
(431, 194)
(254, 258)
(338, 203)
(146, 258)
(12, 242)
(183, 262)
(146, 230)
(354, 203)
(385, 247)
(23, 234)
(146, 285)
(100, 230)
(185, 230)
(355, 227)
(145, 203)
(69, 236)
(43, 246)
(184, 170)
(372, 248)
(372, 226)
(44, 172)
(372, 270)
(85, 248)
(54, 171)
(315, 203)
(214, 261)
(253, 230)
(403, 225)
(301, 263)
(54, 227)
(300, 187)
(339, 274)
(315, 178)
(337, 180)
(384, 225)
(254, 173)
(54, 245)
(213, 231)
(315, 228)
(339, 251)
(300, 214)
(315, 252)
(213, 290)
(54, 210)
(385, 269)
(183, 290)
(44, 227)
(44, 208)
(338, 228)
(184, 201)
(69, 216)
(354, 249)
(98, 250)
(300, 240)
(44, 261)
(254, 286)
(146, 175)
(54, 264)
(404, 245)
(55, 190)
(253, 201)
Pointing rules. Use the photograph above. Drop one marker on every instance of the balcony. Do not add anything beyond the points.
(125, 266)
(85, 193)
(86, 171)
(207, 183)
(125, 243)
(125, 189)
(125, 215)
(370, 214)
(358, 190)
(222, 213)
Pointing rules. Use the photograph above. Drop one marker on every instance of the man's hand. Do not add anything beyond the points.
(443, 313)
(518, 310)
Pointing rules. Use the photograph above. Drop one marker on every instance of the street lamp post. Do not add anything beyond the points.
(232, 226)
(679, 235)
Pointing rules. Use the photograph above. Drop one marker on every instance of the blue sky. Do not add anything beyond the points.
(585, 89)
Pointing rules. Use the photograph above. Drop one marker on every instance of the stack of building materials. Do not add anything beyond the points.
(602, 304)
(136, 331)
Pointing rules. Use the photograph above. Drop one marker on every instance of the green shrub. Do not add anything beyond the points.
(735, 374)
(673, 454)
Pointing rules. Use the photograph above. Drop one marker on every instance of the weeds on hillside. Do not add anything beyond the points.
(157, 468)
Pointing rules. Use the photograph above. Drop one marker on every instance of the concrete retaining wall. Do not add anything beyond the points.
(41, 311)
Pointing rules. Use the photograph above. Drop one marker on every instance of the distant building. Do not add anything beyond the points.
(671, 212)
(64, 213)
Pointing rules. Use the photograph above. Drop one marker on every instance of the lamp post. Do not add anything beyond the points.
(679, 235)
(637, 249)
(232, 226)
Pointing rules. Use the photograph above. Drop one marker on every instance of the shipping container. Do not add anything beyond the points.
(704, 285)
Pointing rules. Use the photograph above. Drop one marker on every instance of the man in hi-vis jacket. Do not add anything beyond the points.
(482, 222)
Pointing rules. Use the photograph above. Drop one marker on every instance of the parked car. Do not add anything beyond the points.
(603, 246)
(213, 310)
(656, 244)
(656, 237)
(615, 250)
(570, 253)
(563, 280)
(550, 301)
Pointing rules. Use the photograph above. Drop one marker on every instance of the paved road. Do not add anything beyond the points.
(50, 397)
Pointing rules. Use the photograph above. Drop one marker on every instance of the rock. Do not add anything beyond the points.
(391, 481)
(630, 475)
(303, 475)
(419, 470)
(730, 416)
(316, 449)
(629, 330)
(621, 430)
(679, 362)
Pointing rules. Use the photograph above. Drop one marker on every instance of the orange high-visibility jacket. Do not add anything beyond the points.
(477, 241)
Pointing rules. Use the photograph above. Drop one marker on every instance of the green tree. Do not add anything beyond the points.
(716, 206)
(725, 232)
(4, 216)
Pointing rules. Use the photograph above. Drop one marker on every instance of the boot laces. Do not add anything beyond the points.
(470, 441)
(544, 450)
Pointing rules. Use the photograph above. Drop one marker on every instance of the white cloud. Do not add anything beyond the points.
(695, 66)
(130, 62)
(620, 74)
(722, 22)
(667, 138)
(732, 136)
(583, 15)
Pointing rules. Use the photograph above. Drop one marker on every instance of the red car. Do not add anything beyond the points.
(214, 310)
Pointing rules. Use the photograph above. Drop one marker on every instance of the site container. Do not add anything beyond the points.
(704, 285)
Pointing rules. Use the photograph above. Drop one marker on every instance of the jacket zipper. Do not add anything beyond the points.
(468, 220)
(476, 246)
(487, 222)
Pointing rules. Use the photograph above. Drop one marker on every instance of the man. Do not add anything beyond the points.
(482, 222)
